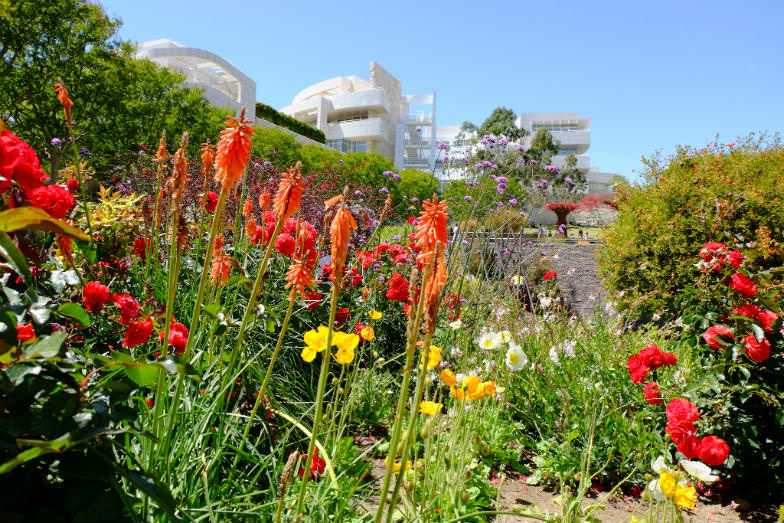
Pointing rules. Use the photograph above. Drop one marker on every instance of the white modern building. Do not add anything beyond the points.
(224, 85)
(569, 129)
(374, 115)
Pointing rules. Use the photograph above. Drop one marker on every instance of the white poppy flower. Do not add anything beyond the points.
(554, 355)
(505, 336)
(488, 340)
(515, 357)
(698, 470)
(456, 324)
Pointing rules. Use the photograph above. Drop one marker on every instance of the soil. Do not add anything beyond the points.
(618, 509)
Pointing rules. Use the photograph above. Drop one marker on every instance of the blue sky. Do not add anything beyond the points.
(650, 75)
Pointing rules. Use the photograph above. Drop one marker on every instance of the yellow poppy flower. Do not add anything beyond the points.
(344, 357)
(345, 342)
(471, 384)
(448, 378)
(430, 408)
(396, 466)
(667, 483)
(375, 315)
(487, 387)
(457, 393)
(367, 333)
(684, 496)
(308, 354)
(433, 357)
(317, 339)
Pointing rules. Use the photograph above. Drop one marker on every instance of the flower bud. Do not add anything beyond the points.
(335, 382)
(409, 486)
(465, 496)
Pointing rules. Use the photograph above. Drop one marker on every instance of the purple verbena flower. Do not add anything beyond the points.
(57, 142)
(443, 146)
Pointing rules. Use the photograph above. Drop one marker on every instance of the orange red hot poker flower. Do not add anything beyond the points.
(62, 96)
(289, 194)
(233, 151)
(431, 229)
(340, 233)
(299, 278)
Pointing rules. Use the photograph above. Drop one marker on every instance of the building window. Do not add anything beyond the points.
(348, 146)
(566, 151)
(554, 127)
(353, 116)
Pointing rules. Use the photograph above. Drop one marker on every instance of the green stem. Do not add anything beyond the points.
(322, 387)
(153, 236)
(264, 383)
(251, 305)
(402, 400)
(78, 172)
(412, 425)
(205, 270)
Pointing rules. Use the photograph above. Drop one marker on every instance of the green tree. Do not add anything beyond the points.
(501, 122)
(542, 148)
(416, 184)
(278, 147)
(119, 103)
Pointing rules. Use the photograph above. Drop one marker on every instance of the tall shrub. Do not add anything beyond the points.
(722, 192)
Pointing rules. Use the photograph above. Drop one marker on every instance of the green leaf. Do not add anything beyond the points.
(143, 374)
(211, 310)
(25, 218)
(75, 312)
(236, 279)
(759, 334)
(47, 346)
(88, 250)
(11, 252)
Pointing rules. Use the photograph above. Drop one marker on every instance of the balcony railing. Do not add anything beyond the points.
(416, 142)
(420, 117)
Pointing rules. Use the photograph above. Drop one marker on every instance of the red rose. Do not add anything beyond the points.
(285, 244)
(95, 295)
(637, 369)
(178, 337)
(549, 275)
(716, 330)
(54, 199)
(313, 299)
(341, 315)
(736, 258)
(25, 332)
(713, 250)
(651, 393)
(358, 327)
(356, 279)
(19, 162)
(680, 410)
(138, 333)
(140, 246)
(210, 201)
(713, 451)
(680, 432)
(757, 351)
(766, 318)
(748, 310)
(689, 446)
(398, 288)
(72, 185)
(129, 309)
(653, 357)
(742, 284)
(382, 247)
(317, 466)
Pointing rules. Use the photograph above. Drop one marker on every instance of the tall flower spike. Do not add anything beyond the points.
(432, 227)
(161, 155)
(433, 288)
(233, 151)
(207, 157)
(340, 233)
(62, 96)
(221, 263)
(299, 278)
(180, 176)
(289, 194)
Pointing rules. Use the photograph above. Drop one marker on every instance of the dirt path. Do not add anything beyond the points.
(619, 509)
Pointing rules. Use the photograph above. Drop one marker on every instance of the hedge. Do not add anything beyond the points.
(271, 115)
